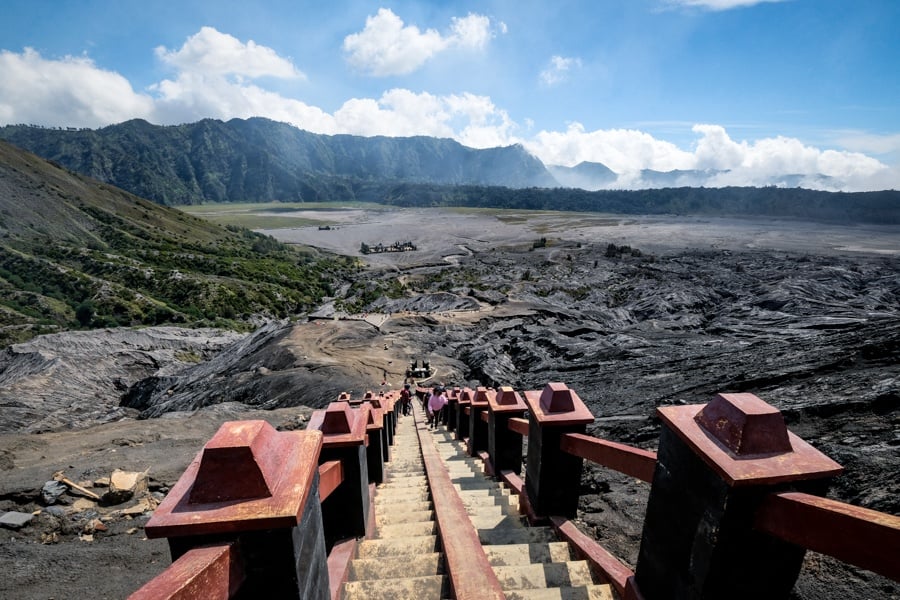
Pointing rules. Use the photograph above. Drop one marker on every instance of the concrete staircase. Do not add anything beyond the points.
(404, 559)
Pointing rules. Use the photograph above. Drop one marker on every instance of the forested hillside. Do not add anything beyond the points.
(77, 253)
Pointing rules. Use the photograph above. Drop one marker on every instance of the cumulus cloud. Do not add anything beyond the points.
(211, 53)
(470, 119)
(71, 91)
(558, 70)
(719, 4)
(386, 46)
(769, 161)
(213, 75)
(622, 150)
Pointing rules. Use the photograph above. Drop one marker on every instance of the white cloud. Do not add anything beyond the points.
(558, 70)
(622, 150)
(472, 120)
(74, 91)
(71, 91)
(386, 46)
(719, 4)
(767, 161)
(211, 52)
(870, 143)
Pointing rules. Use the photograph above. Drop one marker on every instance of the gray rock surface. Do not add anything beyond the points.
(76, 379)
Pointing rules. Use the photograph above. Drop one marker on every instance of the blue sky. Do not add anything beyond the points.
(757, 88)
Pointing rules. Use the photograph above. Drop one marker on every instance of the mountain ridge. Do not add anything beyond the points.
(262, 160)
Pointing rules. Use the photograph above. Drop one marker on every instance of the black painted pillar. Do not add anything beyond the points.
(478, 429)
(505, 445)
(553, 477)
(462, 419)
(376, 446)
(715, 465)
(345, 512)
(451, 411)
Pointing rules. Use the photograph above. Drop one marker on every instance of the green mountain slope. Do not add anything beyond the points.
(259, 160)
(78, 253)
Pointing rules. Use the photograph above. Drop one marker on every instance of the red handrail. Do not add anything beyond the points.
(215, 572)
(866, 538)
(619, 457)
(331, 475)
(518, 425)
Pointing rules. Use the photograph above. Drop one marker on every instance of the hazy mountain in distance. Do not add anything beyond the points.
(584, 175)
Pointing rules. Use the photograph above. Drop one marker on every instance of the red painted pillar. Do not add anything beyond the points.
(553, 477)
(260, 488)
(345, 512)
(715, 465)
(505, 445)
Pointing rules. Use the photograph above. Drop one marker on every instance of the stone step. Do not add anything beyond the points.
(516, 535)
(498, 521)
(389, 515)
(472, 485)
(387, 506)
(391, 567)
(404, 483)
(587, 592)
(491, 510)
(544, 575)
(413, 588)
(404, 530)
(403, 494)
(498, 499)
(392, 547)
(526, 554)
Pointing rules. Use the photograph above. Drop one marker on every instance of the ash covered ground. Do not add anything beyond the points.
(631, 313)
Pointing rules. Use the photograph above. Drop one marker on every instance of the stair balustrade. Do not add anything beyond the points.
(735, 499)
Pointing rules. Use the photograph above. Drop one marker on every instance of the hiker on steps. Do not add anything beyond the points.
(436, 404)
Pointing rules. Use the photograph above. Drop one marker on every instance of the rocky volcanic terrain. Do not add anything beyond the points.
(641, 323)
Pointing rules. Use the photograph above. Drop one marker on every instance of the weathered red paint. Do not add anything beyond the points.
(520, 426)
(341, 424)
(213, 572)
(517, 486)
(471, 575)
(487, 469)
(506, 400)
(745, 424)
(802, 462)
(288, 460)
(859, 536)
(611, 568)
(557, 405)
(342, 553)
(634, 462)
(331, 475)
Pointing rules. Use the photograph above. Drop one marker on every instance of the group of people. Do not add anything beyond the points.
(435, 402)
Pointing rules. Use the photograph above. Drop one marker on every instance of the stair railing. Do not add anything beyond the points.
(733, 494)
(263, 513)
